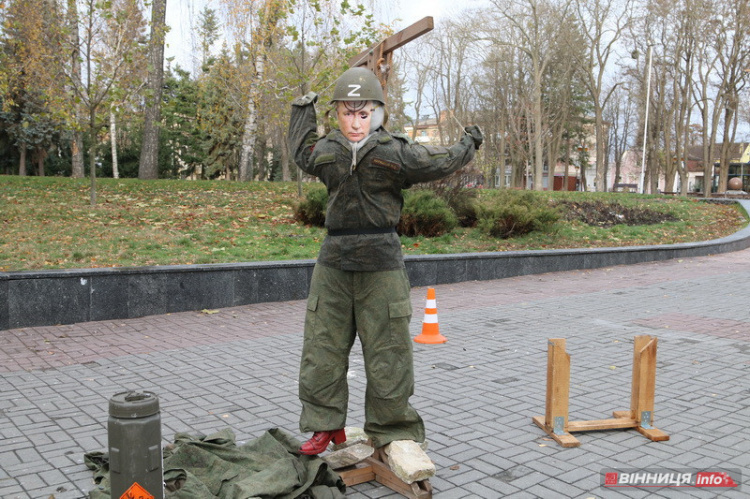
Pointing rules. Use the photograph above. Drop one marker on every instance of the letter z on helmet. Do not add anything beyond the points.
(358, 84)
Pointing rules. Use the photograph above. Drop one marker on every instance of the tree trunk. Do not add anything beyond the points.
(22, 162)
(76, 152)
(41, 155)
(538, 145)
(249, 134)
(601, 162)
(502, 164)
(149, 163)
(725, 145)
(113, 143)
(76, 144)
(92, 172)
(260, 158)
(285, 171)
(567, 164)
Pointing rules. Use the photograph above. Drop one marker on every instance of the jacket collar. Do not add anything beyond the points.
(371, 142)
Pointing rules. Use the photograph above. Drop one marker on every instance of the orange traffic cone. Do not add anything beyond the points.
(430, 328)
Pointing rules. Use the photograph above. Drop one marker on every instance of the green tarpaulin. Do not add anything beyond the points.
(214, 466)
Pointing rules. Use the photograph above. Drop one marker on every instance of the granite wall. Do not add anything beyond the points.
(79, 295)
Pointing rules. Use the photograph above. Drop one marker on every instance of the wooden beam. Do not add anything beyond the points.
(558, 385)
(602, 424)
(393, 42)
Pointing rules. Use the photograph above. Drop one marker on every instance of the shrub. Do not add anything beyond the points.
(464, 202)
(514, 213)
(425, 214)
(312, 209)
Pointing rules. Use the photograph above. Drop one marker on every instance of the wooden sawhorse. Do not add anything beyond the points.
(640, 416)
(376, 468)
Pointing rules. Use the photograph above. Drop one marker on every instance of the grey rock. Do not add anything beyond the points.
(409, 462)
(348, 456)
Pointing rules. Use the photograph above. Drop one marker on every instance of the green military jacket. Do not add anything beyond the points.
(364, 187)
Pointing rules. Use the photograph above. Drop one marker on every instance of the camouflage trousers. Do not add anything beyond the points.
(375, 306)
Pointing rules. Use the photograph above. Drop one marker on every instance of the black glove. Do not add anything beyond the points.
(309, 98)
(476, 135)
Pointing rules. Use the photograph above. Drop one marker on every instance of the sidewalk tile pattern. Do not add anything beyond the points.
(237, 367)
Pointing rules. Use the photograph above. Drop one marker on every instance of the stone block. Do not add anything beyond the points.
(408, 461)
(48, 301)
(196, 290)
(109, 297)
(354, 436)
(348, 456)
(147, 294)
(4, 318)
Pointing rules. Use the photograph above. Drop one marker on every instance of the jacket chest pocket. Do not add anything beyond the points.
(382, 173)
(330, 169)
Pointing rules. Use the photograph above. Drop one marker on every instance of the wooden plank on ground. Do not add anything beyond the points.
(359, 473)
(601, 424)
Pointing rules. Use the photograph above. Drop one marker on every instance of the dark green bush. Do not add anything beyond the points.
(425, 214)
(464, 202)
(515, 213)
(312, 209)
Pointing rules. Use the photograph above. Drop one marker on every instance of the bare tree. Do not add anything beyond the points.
(684, 52)
(533, 28)
(734, 57)
(603, 23)
(419, 63)
(620, 115)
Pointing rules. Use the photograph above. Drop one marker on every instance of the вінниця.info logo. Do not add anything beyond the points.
(731, 478)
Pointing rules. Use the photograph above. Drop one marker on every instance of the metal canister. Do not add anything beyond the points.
(135, 455)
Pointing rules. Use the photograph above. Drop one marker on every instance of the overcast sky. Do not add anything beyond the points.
(182, 15)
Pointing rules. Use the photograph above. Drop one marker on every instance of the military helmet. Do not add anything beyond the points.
(358, 84)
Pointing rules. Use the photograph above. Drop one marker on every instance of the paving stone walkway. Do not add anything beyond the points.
(237, 368)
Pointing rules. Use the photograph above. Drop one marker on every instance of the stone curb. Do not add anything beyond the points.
(51, 297)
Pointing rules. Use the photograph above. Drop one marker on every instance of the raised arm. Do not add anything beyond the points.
(303, 129)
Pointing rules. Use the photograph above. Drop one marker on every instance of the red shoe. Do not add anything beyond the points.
(320, 440)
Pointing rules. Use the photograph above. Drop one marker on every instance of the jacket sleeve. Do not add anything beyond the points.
(427, 163)
(303, 134)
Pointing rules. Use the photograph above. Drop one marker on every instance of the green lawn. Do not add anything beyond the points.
(48, 223)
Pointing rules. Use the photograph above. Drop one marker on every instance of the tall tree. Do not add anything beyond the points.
(76, 141)
(620, 114)
(183, 98)
(149, 166)
(733, 48)
(30, 78)
(208, 29)
(603, 23)
(534, 28)
(220, 117)
(104, 67)
(268, 14)
(119, 34)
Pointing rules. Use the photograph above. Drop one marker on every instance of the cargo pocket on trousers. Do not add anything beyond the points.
(391, 366)
(399, 314)
(311, 317)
